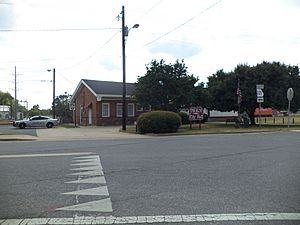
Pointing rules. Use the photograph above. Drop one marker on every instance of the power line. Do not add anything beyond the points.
(91, 55)
(150, 9)
(183, 24)
(61, 75)
(58, 29)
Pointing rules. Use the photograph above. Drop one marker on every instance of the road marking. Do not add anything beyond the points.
(88, 173)
(92, 180)
(103, 205)
(88, 157)
(87, 168)
(85, 160)
(101, 191)
(157, 219)
(45, 155)
(93, 163)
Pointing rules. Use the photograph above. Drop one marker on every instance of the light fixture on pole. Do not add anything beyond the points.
(125, 32)
(53, 100)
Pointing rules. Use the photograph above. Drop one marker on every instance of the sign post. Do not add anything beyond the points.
(195, 114)
(259, 98)
(289, 95)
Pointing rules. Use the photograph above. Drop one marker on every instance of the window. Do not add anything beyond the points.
(130, 110)
(105, 110)
(139, 108)
(119, 109)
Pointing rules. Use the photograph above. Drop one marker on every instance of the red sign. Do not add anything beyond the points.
(195, 113)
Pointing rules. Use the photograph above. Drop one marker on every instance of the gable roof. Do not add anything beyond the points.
(109, 87)
(104, 88)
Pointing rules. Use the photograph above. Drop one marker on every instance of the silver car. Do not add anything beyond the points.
(36, 121)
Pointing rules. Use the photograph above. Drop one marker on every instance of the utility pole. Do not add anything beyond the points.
(124, 33)
(53, 93)
(53, 99)
(16, 101)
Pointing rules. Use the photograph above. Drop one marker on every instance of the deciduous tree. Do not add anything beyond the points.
(165, 86)
(276, 78)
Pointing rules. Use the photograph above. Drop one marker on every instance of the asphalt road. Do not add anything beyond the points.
(179, 175)
(15, 130)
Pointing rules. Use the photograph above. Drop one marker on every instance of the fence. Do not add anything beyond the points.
(279, 120)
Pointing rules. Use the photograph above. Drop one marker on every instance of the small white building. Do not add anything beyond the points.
(215, 115)
(4, 112)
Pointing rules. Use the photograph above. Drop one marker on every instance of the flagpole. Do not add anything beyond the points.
(239, 97)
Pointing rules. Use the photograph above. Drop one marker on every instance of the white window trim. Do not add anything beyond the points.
(119, 105)
(108, 111)
(133, 113)
(139, 108)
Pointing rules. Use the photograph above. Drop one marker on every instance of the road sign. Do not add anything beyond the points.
(290, 94)
(260, 86)
(259, 93)
(260, 99)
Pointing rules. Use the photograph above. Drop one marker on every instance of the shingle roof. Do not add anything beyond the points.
(109, 87)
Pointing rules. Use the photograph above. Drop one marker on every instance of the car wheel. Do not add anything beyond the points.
(49, 125)
(22, 125)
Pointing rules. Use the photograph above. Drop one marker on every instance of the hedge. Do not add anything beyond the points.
(158, 122)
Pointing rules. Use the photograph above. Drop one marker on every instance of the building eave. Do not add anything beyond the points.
(101, 96)
(78, 88)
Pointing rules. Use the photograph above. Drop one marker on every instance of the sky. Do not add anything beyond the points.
(82, 39)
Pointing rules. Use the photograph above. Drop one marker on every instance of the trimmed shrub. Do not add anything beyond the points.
(158, 122)
(184, 117)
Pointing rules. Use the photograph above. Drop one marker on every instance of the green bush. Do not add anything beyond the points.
(158, 122)
(184, 117)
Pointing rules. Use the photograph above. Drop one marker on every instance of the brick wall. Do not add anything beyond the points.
(87, 99)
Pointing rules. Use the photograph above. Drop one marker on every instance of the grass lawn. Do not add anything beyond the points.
(68, 125)
(223, 128)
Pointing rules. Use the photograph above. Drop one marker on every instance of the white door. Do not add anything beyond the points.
(90, 116)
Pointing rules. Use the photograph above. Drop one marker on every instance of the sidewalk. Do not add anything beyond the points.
(79, 133)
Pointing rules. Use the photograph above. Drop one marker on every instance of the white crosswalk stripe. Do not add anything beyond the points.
(180, 219)
(101, 191)
(95, 167)
(93, 180)
(103, 205)
(90, 172)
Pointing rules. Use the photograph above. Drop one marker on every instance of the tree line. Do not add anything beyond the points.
(170, 87)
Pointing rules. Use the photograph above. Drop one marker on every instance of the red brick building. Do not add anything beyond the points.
(100, 103)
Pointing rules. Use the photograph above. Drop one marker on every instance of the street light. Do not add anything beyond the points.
(125, 32)
(53, 101)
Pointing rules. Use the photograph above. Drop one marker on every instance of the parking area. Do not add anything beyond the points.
(61, 133)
